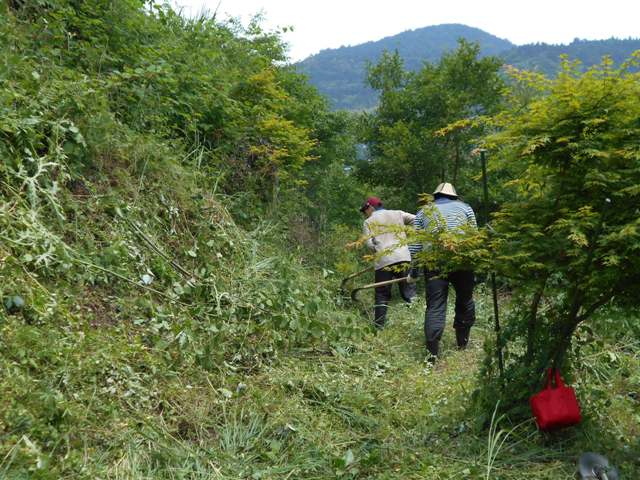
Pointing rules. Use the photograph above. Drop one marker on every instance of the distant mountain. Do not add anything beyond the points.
(340, 73)
(545, 58)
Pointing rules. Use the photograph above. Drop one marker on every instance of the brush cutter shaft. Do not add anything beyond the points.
(355, 291)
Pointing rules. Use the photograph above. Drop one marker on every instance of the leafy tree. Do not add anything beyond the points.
(276, 147)
(409, 153)
(332, 190)
(569, 240)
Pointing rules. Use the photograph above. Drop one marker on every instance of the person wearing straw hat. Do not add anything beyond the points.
(451, 214)
(383, 231)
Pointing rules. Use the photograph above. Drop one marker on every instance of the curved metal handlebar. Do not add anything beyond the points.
(353, 275)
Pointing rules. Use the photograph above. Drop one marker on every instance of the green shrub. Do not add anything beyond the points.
(568, 239)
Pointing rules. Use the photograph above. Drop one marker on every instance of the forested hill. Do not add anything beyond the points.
(340, 73)
(546, 58)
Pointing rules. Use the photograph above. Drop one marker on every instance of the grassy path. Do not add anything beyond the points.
(371, 409)
(379, 411)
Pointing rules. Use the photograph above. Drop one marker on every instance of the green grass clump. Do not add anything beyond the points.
(149, 309)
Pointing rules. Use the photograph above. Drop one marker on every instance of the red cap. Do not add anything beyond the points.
(374, 202)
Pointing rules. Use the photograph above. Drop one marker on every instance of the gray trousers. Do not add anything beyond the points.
(437, 291)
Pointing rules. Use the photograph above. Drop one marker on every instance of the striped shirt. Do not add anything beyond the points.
(454, 213)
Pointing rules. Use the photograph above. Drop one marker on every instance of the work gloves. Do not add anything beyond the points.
(414, 274)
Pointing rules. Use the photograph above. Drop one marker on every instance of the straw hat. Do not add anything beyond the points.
(446, 189)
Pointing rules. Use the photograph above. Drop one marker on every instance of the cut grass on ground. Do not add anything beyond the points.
(379, 411)
(368, 409)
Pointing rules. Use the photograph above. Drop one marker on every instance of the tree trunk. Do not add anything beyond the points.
(563, 343)
(531, 324)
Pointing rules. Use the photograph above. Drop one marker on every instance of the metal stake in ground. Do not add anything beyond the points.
(494, 290)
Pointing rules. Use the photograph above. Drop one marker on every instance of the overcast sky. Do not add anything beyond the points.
(320, 24)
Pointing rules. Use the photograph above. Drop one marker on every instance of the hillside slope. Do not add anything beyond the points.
(545, 58)
(143, 258)
(339, 73)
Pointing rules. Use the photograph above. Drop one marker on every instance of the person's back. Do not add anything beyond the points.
(453, 212)
(446, 213)
(384, 229)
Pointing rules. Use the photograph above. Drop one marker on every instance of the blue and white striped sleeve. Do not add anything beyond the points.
(419, 223)
(471, 217)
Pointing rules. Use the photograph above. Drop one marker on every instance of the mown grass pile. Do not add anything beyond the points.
(369, 408)
(379, 411)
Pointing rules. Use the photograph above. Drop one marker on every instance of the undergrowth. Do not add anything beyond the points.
(145, 304)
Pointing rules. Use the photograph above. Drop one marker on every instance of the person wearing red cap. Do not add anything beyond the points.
(383, 230)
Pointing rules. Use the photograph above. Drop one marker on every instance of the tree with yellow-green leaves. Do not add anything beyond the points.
(568, 241)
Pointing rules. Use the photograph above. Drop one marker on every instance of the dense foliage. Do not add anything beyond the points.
(564, 165)
(568, 238)
(409, 153)
(150, 183)
(175, 203)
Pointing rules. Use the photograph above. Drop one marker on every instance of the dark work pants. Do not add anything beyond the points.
(383, 294)
(437, 290)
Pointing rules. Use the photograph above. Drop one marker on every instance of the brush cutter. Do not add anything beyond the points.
(355, 291)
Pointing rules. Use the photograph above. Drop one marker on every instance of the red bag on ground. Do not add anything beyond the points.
(555, 407)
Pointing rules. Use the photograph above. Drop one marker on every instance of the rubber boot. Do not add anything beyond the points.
(433, 348)
(462, 338)
(380, 316)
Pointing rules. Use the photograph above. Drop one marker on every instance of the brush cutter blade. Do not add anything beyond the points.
(343, 284)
